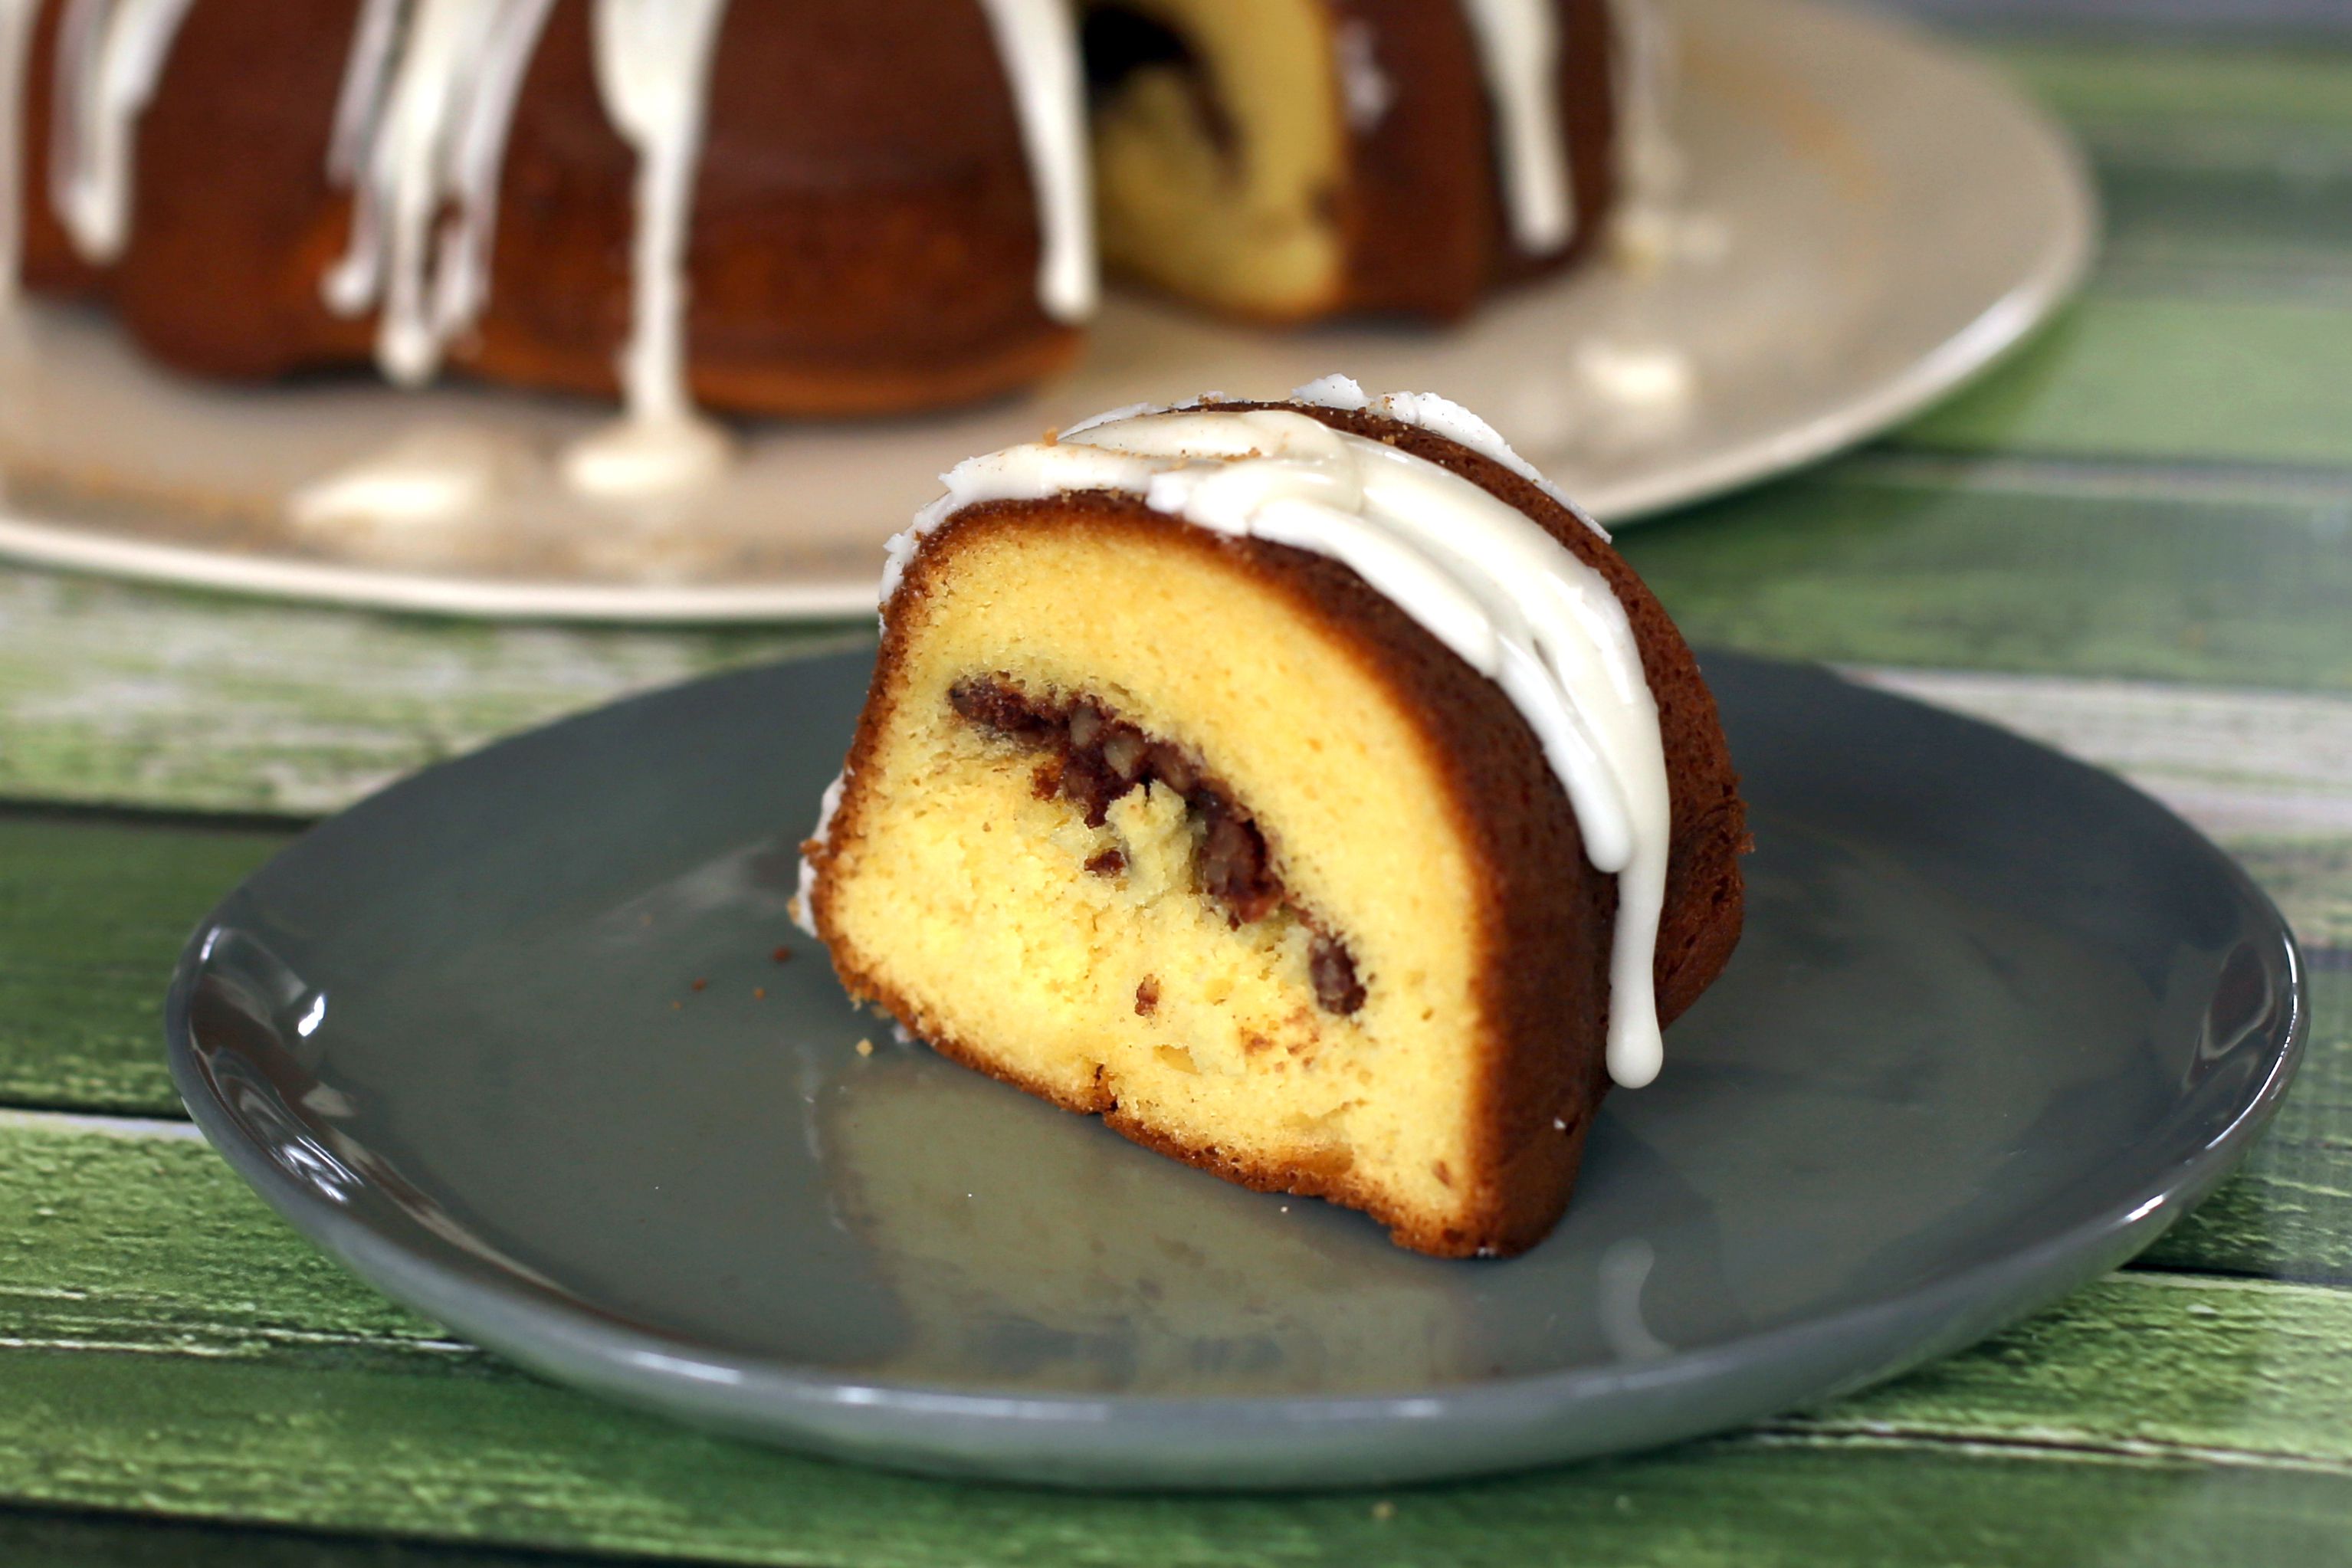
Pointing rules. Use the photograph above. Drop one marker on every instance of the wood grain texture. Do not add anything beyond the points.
(2196, 1435)
(93, 915)
(2098, 85)
(116, 692)
(43, 1538)
(2102, 382)
(2031, 567)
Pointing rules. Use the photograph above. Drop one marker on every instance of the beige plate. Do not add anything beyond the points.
(1868, 219)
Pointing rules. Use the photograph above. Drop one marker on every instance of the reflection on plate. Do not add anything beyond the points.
(1868, 220)
(510, 1039)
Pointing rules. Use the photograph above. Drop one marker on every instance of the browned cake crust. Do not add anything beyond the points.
(1545, 967)
(1422, 239)
(864, 235)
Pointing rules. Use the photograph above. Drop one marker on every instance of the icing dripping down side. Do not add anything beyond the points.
(1038, 42)
(1642, 65)
(803, 909)
(653, 70)
(1476, 572)
(1364, 87)
(420, 137)
(110, 53)
(653, 67)
(1519, 52)
(16, 18)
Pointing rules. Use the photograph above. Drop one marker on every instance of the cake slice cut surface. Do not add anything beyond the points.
(1295, 787)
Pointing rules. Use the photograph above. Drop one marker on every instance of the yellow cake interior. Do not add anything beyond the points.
(957, 891)
(1218, 150)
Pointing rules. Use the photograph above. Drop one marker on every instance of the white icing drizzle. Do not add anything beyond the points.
(1519, 50)
(16, 19)
(1364, 87)
(421, 129)
(1038, 43)
(1642, 63)
(420, 135)
(367, 73)
(640, 456)
(429, 478)
(653, 67)
(1477, 573)
(803, 908)
(110, 53)
(1439, 417)
(1653, 378)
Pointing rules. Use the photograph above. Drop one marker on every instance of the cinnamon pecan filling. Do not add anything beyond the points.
(1092, 757)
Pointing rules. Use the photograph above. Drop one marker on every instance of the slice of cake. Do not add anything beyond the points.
(1306, 788)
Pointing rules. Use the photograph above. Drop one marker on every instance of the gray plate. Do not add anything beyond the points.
(495, 1040)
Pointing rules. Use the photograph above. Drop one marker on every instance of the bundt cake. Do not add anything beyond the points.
(836, 209)
(796, 208)
(1307, 788)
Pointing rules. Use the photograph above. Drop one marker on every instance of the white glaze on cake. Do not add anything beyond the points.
(803, 911)
(1643, 379)
(1474, 571)
(1518, 51)
(420, 137)
(427, 480)
(1642, 82)
(110, 53)
(1439, 417)
(1365, 88)
(653, 67)
(1038, 44)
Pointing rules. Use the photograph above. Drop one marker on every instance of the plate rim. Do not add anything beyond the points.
(2056, 272)
(1091, 1441)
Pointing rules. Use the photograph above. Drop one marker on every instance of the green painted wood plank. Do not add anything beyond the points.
(2110, 81)
(141, 1235)
(2242, 380)
(2142, 1362)
(1984, 566)
(2217, 174)
(2223, 300)
(511, 1460)
(115, 692)
(2018, 566)
(2249, 224)
(45, 1539)
(93, 914)
(2312, 882)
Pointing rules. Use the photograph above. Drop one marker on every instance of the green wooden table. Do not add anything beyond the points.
(2133, 542)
